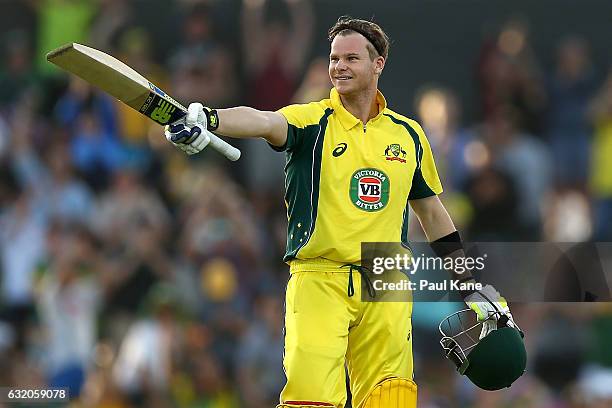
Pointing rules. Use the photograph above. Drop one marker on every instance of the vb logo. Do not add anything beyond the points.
(163, 112)
(369, 189)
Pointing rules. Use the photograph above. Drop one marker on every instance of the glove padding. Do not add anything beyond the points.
(190, 133)
(491, 308)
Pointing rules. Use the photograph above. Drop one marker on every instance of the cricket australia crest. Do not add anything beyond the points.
(394, 152)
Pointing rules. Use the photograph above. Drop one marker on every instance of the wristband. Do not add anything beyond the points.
(212, 119)
(447, 244)
(466, 293)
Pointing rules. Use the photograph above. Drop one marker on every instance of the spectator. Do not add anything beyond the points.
(68, 303)
(567, 217)
(218, 222)
(316, 84)
(111, 19)
(127, 205)
(79, 98)
(145, 362)
(438, 112)
(601, 170)
(211, 383)
(16, 72)
(133, 224)
(571, 87)
(58, 193)
(509, 75)
(135, 50)
(61, 22)
(526, 160)
(495, 203)
(96, 153)
(22, 251)
(224, 307)
(259, 356)
(275, 51)
(203, 68)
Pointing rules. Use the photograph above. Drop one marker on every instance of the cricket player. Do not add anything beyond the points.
(353, 164)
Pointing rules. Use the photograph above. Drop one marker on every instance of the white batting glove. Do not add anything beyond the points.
(490, 307)
(190, 133)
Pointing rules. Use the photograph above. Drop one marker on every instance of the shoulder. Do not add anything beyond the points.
(410, 124)
(303, 115)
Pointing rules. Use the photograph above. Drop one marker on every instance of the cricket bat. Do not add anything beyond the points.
(124, 83)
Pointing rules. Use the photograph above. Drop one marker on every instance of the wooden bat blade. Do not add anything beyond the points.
(124, 83)
(101, 70)
(119, 80)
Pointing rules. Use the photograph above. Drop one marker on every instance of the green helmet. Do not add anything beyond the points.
(491, 363)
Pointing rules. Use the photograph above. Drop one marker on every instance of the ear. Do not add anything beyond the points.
(379, 65)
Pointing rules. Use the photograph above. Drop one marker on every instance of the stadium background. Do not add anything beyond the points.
(146, 278)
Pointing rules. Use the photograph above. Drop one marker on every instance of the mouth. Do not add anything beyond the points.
(343, 78)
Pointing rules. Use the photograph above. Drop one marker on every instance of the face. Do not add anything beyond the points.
(350, 68)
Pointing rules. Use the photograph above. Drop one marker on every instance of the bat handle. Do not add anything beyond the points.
(224, 148)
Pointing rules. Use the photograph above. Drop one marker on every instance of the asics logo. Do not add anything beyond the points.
(339, 150)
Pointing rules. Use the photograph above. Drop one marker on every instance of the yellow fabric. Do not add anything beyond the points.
(61, 22)
(315, 265)
(601, 165)
(392, 393)
(341, 225)
(323, 327)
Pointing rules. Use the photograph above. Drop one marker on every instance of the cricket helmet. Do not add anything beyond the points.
(492, 362)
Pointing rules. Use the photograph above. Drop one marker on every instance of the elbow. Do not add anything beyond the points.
(267, 126)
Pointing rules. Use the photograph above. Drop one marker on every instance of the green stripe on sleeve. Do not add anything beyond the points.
(419, 188)
(302, 179)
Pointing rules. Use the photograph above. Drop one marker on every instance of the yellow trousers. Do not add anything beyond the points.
(326, 329)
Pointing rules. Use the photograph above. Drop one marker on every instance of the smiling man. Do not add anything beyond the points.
(352, 167)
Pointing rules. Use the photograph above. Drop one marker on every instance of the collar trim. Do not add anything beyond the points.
(346, 118)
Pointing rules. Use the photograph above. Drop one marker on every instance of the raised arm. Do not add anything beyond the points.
(253, 33)
(300, 36)
(192, 133)
(245, 122)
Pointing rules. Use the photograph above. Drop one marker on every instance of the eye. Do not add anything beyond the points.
(333, 59)
(353, 58)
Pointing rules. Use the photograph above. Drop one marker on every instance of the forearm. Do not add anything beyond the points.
(242, 122)
(440, 231)
(434, 218)
(245, 122)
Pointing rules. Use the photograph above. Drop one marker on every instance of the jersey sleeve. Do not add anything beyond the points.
(300, 120)
(425, 181)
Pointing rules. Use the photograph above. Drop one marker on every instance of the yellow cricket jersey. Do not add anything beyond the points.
(347, 183)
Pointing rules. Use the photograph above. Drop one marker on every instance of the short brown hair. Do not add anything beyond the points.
(371, 31)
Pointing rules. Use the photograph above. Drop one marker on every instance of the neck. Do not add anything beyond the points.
(361, 105)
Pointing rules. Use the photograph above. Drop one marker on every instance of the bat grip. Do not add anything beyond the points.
(224, 148)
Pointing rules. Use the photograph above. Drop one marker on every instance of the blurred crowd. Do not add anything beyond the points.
(140, 277)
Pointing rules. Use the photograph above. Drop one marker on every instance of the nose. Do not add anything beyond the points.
(340, 65)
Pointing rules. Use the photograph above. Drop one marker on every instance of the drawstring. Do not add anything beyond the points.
(363, 272)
